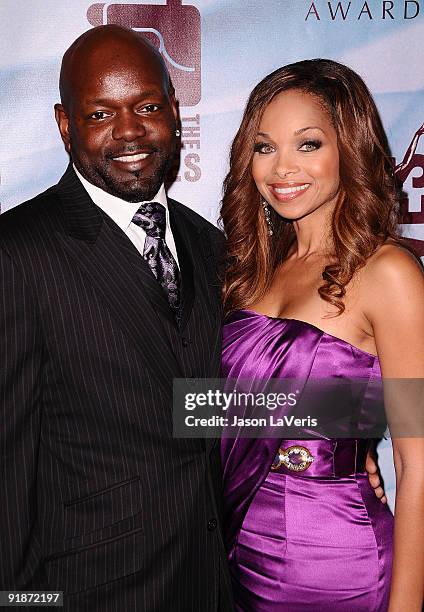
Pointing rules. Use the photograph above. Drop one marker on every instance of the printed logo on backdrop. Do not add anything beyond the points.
(175, 30)
(412, 206)
(343, 10)
(409, 171)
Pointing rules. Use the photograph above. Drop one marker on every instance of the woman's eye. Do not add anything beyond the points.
(310, 145)
(263, 147)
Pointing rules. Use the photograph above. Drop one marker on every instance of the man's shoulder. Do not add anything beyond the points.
(29, 217)
(198, 221)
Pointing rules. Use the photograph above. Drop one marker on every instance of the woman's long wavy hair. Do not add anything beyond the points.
(365, 213)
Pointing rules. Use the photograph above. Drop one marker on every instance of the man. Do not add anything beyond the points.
(109, 291)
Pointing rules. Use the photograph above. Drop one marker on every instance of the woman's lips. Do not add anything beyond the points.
(285, 192)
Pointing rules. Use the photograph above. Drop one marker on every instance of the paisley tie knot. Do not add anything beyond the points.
(151, 217)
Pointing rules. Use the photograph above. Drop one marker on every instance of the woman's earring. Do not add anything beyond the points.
(177, 133)
(268, 219)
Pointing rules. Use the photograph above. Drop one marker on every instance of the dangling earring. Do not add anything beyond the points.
(177, 133)
(268, 219)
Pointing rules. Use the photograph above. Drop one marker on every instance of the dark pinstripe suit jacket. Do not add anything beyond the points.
(97, 498)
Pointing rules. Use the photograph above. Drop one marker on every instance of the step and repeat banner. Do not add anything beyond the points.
(216, 51)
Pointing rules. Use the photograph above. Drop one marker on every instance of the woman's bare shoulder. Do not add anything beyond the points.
(392, 277)
(393, 262)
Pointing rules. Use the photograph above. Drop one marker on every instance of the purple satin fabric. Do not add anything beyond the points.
(317, 540)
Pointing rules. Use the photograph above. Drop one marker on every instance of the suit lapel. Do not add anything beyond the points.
(195, 255)
(210, 259)
(184, 237)
(119, 274)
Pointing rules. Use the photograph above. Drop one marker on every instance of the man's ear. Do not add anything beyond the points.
(63, 125)
(173, 102)
(175, 109)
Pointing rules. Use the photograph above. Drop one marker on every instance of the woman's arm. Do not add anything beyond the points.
(396, 312)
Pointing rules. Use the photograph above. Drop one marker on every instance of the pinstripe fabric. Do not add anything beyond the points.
(98, 499)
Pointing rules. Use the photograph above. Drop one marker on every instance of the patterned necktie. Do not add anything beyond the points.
(151, 216)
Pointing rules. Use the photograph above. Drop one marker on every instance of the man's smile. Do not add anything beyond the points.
(131, 157)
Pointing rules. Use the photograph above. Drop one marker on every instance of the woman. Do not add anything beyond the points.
(317, 285)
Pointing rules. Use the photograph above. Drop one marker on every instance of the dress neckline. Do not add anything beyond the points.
(287, 320)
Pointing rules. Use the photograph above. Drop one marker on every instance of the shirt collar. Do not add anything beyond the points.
(117, 209)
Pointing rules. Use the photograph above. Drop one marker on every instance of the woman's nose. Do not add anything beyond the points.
(286, 164)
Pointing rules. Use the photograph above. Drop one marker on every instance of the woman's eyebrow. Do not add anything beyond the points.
(309, 127)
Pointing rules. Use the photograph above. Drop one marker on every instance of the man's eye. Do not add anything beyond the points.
(263, 147)
(149, 108)
(98, 115)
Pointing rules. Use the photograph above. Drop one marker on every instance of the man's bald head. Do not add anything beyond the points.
(118, 118)
(100, 45)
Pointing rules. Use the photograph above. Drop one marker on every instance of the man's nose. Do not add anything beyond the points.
(286, 164)
(128, 126)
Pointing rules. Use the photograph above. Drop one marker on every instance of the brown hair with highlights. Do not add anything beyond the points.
(365, 214)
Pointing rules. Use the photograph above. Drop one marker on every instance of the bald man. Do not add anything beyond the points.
(108, 292)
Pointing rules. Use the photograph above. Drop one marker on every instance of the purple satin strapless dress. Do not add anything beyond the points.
(316, 540)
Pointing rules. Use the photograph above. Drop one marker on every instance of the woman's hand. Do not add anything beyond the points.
(374, 476)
